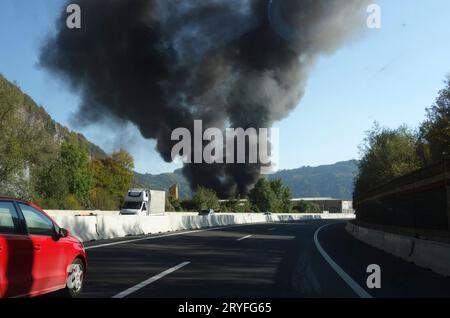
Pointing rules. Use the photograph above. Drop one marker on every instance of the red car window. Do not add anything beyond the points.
(8, 218)
(37, 223)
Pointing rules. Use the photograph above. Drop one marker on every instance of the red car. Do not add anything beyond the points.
(36, 255)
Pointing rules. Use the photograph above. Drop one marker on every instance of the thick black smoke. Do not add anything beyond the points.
(161, 64)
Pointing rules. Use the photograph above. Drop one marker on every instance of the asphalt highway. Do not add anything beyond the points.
(314, 258)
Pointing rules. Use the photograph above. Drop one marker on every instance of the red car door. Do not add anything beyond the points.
(16, 254)
(49, 268)
(3, 262)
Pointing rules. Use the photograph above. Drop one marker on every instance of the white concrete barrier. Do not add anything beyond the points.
(428, 254)
(55, 213)
(433, 255)
(83, 227)
(101, 226)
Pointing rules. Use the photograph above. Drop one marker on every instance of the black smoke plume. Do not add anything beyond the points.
(161, 64)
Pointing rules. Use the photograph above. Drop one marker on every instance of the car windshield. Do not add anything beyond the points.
(204, 211)
(132, 205)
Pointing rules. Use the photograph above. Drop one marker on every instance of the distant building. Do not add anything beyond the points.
(326, 205)
(329, 205)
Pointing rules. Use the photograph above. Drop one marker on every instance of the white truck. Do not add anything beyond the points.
(144, 202)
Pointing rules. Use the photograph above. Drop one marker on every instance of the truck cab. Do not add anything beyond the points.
(136, 202)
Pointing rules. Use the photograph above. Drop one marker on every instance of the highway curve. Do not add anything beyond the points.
(314, 258)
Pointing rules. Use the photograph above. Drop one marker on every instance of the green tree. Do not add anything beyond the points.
(112, 177)
(283, 197)
(271, 196)
(386, 155)
(102, 199)
(63, 182)
(121, 167)
(206, 199)
(51, 187)
(262, 197)
(434, 135)
(75, 161)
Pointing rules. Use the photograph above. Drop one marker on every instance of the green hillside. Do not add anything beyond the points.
(335, 180)
(16, 102)
(164, 181)
(29, 141)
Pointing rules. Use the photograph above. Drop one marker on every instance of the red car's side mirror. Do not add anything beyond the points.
(63, 233)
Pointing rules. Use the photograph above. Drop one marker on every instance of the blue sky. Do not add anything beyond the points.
(390, 75)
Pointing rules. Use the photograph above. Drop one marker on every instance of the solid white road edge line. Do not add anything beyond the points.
(243, 238)
(350, 282)
(147, 282)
